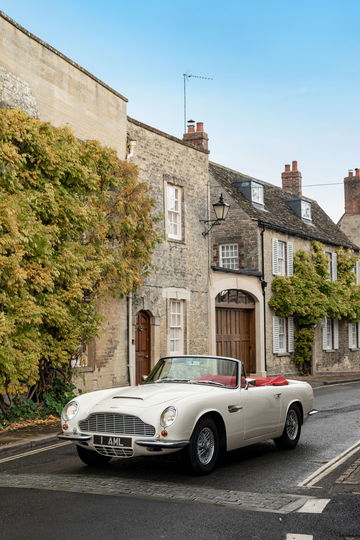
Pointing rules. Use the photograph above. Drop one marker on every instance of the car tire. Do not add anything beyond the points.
(292, 429)
(89, 457)
(201, 455)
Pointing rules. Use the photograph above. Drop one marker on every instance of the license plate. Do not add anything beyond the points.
(118, 442)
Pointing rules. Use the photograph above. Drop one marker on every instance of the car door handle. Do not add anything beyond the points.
(234, 408)
(277, 395)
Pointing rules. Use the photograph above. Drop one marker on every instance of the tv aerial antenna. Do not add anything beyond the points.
(186, 77)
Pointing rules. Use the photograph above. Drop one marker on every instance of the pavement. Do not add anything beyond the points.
(30, 437)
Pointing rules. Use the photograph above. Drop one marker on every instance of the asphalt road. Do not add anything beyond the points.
(254, 492)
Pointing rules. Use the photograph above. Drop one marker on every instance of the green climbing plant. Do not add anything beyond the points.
(309, 296)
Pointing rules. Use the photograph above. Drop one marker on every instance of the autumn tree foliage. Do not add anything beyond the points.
(75, 223)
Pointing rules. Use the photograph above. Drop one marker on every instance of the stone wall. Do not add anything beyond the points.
(42, 81)
(340, 360)
(237, 228)
(181, 267)
(46, 84)
(350, 225)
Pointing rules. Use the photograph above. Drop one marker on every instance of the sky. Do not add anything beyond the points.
(283, 76)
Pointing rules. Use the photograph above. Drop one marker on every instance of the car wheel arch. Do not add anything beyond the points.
(220, 424)
(298, 404)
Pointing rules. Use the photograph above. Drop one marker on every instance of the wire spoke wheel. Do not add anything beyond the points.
(201, 455)
(292, 429)
(205, 445)
(292, 425)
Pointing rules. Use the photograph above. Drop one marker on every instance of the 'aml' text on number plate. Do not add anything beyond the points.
(112, 441)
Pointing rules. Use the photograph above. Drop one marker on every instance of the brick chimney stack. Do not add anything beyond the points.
(197, 138)
(352, 193)
(291, 179)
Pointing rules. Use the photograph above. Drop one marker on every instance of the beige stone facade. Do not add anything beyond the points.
(39, 79)
(180, 265)
(177, 308)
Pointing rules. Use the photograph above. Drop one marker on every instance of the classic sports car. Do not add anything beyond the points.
(194, 405)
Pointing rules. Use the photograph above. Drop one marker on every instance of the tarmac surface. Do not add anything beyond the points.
(16, 441)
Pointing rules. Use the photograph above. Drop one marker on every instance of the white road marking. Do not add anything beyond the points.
(326, 469)
(295, 536)
(314, 506)
(37, 451)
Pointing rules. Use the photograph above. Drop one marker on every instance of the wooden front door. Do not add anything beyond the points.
(235, 335)
(142, 345)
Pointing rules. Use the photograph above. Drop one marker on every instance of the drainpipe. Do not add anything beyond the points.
(129, 340)
(263, 285)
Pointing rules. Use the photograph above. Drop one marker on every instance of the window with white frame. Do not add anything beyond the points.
(330, 334)
(306, 210)
(282, 257)
(174, 214)
(283, 335)
(354, 335)
(257, 193)
(176, 326)
(229, 256)
(332, 265)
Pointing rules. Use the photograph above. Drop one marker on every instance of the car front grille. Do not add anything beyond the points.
(114, 452)
(117, 424)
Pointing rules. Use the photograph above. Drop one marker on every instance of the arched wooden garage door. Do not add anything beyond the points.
(235, 327)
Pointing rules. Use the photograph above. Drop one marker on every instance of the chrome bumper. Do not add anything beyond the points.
(156, 443)
(74, 437)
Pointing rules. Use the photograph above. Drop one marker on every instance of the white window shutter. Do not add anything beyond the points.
(357, 272)
(324, 335)
(275, 256)
(334, 266)
(351, 335)
(290, 258)
(290, 335)
(336, 333)
(275, 334)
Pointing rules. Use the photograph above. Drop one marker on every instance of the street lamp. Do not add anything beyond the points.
(221, 209)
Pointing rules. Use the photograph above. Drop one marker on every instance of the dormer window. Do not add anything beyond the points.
(306, 210)
(253, 191)
(302, 208)
(257, 193)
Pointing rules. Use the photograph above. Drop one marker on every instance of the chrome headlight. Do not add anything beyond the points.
(70, 410)
(168, 416)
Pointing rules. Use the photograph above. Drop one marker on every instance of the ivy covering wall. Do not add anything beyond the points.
(310, 295)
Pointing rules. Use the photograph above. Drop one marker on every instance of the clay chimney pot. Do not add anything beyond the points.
(199, 126)
(191, 128)
(357, 173)
(287, 168)
(294, 166)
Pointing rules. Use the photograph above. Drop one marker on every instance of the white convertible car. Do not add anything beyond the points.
(197, 406)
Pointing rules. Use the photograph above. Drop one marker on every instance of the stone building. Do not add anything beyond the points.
(170, 310)
(169, 314)
(267, 225)
(350, 221)
(207, 291)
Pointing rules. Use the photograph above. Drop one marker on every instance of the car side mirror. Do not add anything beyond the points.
(249, 383)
